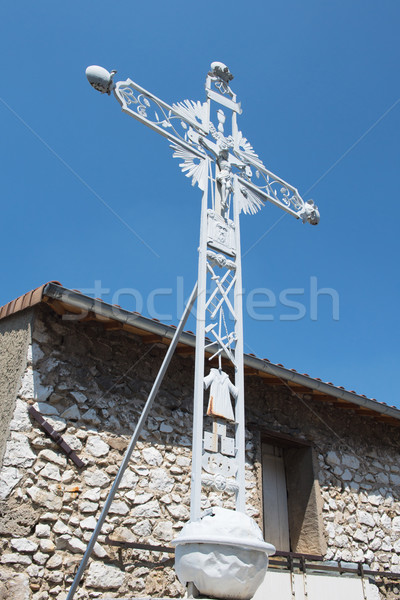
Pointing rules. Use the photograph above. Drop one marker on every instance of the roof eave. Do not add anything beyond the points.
(91, 305)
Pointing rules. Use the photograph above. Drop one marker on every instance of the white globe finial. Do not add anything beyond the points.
(100, 79)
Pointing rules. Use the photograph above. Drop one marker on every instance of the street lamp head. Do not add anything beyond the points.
(100, 79)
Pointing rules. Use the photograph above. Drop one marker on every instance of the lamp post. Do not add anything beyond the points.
(215, 155)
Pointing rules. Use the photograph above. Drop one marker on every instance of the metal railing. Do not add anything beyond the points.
(290, 561)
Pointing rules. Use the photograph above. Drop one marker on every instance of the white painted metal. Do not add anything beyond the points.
(188, 126)
(198, 401)
(219, 159)
(239, 372)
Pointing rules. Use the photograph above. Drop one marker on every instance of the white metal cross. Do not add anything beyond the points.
(233, 180)
(216, 156)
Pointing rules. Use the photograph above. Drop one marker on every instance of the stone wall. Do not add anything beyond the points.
(91, 385)
(358, 473)
(15, 333)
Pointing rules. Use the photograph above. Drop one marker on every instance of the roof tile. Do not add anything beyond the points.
(29, 299)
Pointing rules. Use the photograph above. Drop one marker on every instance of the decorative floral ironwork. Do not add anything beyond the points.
(225, 142)
(182, 118)
(140, 100)
(273, 189)
(282, 193)
(223, 87)
(143, 104)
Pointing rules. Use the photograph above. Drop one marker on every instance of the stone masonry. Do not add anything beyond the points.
(90, 384)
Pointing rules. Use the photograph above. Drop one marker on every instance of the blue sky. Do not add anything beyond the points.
(82, 184)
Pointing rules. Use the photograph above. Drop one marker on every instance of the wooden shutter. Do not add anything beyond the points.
(276, 522)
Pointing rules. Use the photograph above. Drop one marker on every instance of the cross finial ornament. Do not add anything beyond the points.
(216, 156)
(221, 71)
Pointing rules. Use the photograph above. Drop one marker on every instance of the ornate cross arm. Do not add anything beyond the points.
(174, 122)
(278, 192)
(183, 123)
(271, 188)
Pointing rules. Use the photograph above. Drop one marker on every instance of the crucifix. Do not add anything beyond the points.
(215, 156)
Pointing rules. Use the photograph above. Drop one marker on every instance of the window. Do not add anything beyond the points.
(292, 504)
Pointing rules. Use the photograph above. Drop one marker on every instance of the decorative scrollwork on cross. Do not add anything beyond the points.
(178, 121)
(195, 137)
(142, 103)
(277, 191)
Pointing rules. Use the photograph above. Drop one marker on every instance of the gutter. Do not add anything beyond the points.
(110, 311)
